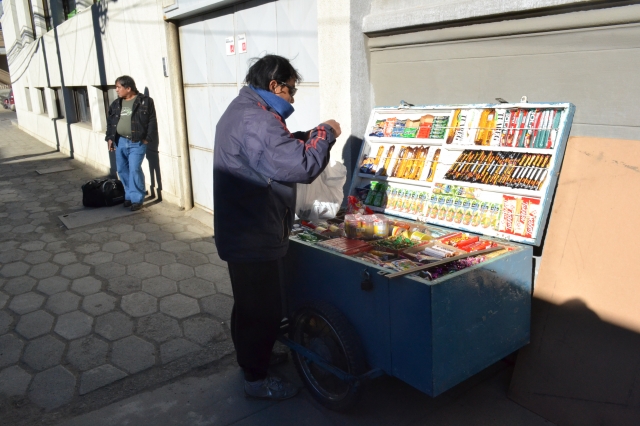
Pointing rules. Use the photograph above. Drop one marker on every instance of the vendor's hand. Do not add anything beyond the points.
(335, 126)
(145, 142)
(111, 146)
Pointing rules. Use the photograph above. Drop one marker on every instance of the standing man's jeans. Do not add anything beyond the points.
(129, 156)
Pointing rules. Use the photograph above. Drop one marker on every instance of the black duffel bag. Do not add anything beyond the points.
(102, 193)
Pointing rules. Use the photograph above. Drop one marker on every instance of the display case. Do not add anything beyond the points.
(456, 181)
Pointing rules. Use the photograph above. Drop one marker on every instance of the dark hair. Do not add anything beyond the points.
(271, 67)
(127, 82)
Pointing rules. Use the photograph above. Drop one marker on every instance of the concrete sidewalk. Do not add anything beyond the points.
(97, 313)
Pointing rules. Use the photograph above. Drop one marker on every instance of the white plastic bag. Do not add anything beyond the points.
(321, 199)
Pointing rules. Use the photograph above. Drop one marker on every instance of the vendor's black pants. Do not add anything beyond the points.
(256, 315)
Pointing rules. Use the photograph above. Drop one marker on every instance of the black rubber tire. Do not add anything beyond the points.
(323, 329)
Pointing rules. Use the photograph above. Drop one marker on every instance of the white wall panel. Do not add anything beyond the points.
(297, 23)
(202, 176)
(192, 49)
(258, 22)
(221, 67)
(199, 127)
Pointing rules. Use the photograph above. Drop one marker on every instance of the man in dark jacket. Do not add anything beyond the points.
(131, 125)
(257, 163)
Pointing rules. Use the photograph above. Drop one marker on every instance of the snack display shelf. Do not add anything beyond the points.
(404, 141)
(419, 183)
(499, 189)
(452, 147)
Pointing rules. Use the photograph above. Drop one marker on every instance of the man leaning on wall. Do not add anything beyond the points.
(131, 125)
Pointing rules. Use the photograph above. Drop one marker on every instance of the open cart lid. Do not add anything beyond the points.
(490, 169)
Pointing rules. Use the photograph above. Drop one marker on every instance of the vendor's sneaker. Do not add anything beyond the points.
(270, 388)
(126, 204)
(136, 206)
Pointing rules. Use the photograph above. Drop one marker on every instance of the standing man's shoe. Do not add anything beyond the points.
(126, 204)
(136, 206)
(270, 388)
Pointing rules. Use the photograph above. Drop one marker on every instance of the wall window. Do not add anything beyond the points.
(28, 98)
(81, 103)
(59, 99)
(43, 100)
(109, 94)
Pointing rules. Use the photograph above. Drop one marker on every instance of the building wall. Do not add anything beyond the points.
(91, 50)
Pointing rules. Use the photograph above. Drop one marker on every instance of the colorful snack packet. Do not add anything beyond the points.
(533, 211)
(508, 210)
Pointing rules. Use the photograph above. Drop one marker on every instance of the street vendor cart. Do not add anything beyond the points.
(428, 278)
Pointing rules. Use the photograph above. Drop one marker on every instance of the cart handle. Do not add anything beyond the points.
(438, 263)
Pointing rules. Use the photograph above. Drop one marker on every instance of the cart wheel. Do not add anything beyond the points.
(322, 328)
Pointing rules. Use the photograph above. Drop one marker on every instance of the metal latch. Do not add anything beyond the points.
(366, 284)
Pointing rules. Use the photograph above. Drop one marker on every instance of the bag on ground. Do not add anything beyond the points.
(102, 193)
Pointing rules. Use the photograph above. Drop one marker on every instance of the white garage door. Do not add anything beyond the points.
(212, 78)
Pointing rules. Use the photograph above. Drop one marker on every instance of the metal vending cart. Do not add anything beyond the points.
(467, 182)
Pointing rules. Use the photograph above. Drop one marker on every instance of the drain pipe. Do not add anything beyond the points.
(174, 71)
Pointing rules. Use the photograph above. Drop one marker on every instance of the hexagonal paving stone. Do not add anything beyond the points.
(215, 260)
(218, 305)
(114, 325)
(14, 269)
(88, 248)
(5, 322)
(160, 258)
(33, 245)
(36, 257)
(158, 327)
(86, 286)
(75, 270)
(73, 325)
(187, 236)
(43, 270)
(174, 246)
(177, 271)
(105, 237)
(115, 247)
(147, 227)
(192, 258)
(179, 306)
(110, 270)
(34, 324)
(8, 245)
(94, 231)
(79, 237)
(97, 258)
(124, 285)
(99, 377)
(19, 285)
(52, 388)
(25, 303)
(203, 330)
(53, 285)
(204, 247)
(133, 237)
(61, 303)
(133, 354)
(43, 352)
(56, 247)
(12, 256)
(143, 270)
(159, 286)
(139, 304)
(122, 228)
(197, 287)
(87, 353)
(10, 349)
(24, 229)
(145, 247)
(99, 303)
(212, 272)
(160, 220)
(65, 258)
(14, 381)
(159, 236)
(128, 257)
(174, 228)
(3, 299)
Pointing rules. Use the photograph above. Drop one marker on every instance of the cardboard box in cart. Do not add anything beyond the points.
(486, 170)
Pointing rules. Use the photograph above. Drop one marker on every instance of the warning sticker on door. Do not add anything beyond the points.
(230, 46)
(241, 42)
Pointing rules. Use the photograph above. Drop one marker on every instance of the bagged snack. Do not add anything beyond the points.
(508, 210)
(533, 211)
(424, 130)
(378, 128)
(388, 126)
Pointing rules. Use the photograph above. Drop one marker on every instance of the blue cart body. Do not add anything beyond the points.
(430, 334)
